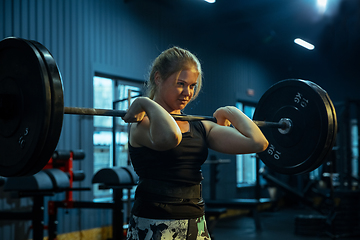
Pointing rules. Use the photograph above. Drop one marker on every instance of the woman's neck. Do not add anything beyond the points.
(167, 108)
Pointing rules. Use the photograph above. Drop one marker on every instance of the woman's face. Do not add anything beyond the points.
(175, 92)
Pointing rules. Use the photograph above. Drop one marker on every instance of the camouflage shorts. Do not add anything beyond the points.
(154, 229)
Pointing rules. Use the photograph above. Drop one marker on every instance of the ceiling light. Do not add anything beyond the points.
(210, 1)
(304, 44)
(321, 4)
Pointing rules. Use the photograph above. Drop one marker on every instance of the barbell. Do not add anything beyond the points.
(296, 116)
(284, 124)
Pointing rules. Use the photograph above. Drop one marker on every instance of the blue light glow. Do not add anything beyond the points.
(321, 4)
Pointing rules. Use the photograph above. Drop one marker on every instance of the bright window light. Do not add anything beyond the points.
(210, 1)
(304, 44)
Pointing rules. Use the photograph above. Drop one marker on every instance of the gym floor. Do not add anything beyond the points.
(276, 225)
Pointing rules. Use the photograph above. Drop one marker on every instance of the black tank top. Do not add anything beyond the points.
(180, 165)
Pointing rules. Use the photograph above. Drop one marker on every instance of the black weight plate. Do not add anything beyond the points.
(11, 103)
(24, 74)
(332, 133)
(303, 148)
(57, 108)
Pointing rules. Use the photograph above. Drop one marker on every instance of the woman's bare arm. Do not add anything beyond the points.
(244, 137)
(152, 126)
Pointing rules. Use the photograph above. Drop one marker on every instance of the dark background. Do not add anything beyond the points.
(241, 44)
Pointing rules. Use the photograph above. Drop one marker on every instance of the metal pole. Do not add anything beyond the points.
(282, 124)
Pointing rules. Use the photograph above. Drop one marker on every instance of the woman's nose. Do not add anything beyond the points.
(186, 91)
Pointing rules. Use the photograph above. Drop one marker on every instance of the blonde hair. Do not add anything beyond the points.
(169, 62)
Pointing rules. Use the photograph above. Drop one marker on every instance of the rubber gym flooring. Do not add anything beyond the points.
(276, 225)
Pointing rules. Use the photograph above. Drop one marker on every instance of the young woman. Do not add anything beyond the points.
(167, 154)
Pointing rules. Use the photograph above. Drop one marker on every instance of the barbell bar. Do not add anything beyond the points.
(296, 116)
(282, 124)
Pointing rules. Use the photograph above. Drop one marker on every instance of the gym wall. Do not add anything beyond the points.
(118, 38)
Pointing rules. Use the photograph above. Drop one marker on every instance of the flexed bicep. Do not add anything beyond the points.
(243, 137)
(156, 128)
(230, 141)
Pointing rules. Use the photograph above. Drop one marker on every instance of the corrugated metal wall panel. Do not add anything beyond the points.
(8, 19)
(78, 34)
(67, 29)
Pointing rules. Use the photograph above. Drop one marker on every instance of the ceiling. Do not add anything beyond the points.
(268, 27)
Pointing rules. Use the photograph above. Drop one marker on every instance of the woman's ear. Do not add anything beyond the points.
(157, 78)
